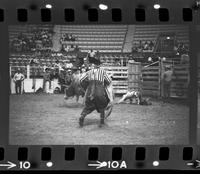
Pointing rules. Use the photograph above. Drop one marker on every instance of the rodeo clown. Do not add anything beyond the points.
(97, 97)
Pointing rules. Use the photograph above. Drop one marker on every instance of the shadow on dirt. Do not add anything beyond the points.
(70, 105)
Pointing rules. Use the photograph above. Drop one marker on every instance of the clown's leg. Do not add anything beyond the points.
(86, 110)
(108, 110)
(77, 98)
(65, 96)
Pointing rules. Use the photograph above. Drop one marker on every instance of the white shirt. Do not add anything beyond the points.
(168, 75)
(131, 94)
(68, 65)
(92, 54)
(18, 76)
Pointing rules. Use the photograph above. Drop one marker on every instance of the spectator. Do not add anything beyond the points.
(73, 38)
(68, 77)
(134, 49)
(66, 37)
(181, 49)
(91, 56)
(70, 37)
(130, 57)
(68, 65)
(33, 63)
(151, 45)
(140, 47)
(167, 78)
(79, 57)
(176, 48)
(18, 79)
(46, 78)
(146, 45)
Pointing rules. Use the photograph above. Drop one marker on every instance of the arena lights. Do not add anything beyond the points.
(48, 6)
(156, 6)
(168, 37)
(149, 59)
(103, 7)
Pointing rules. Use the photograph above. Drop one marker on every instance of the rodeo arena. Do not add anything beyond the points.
(198, 126)
(99, 84)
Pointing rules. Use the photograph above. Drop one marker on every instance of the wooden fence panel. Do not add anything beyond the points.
(151, 81)
(134, 75)
(180, 81)
(120, 78)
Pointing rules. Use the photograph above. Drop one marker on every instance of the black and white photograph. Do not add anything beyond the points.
(99, 84)
(198, 124)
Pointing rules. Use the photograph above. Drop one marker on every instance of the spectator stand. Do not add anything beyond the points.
(30, 38)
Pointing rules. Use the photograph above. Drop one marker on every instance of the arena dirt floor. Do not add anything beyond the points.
(48, 119)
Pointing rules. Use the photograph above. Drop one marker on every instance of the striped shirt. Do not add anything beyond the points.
(98, 74)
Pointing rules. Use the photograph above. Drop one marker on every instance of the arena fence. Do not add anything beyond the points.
(148, 79)
(135, 76)
(119, 75)
(151, 80)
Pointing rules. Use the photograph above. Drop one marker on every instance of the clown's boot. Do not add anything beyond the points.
(81, 120)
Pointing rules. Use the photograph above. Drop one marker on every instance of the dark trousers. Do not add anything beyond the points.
(18, 87)
(166, 87)
(96, 99)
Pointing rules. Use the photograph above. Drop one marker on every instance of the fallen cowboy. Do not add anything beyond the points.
(130, 95)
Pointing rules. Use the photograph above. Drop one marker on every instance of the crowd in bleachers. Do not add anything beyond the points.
(143, 46)
(45, 36)
(64, 41)
(21, 43)
(40, 39)
(181, 49)
(67, 37)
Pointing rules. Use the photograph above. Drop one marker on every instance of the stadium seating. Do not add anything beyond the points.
(15, 30)
(108, 39)
(105, 38)
(150, 32)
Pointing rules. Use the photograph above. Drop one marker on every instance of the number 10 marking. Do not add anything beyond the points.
(24, 165)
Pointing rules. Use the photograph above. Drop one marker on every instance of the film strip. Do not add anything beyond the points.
(141, 46)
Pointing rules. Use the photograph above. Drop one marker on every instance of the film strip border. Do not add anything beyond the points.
(93, 14)
(110, 157)
(90, 12)
(100, 157)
